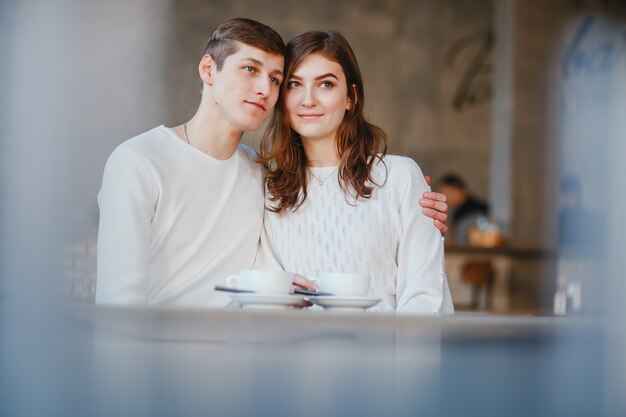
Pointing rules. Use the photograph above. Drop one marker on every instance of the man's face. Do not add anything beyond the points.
(245, 90)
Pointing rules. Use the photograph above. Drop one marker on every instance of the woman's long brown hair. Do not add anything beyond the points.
(360, 145)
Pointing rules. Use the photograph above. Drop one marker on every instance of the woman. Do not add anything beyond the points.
(335, 202)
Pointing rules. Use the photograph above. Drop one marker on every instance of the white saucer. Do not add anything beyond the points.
(258, 300)
(333, 302)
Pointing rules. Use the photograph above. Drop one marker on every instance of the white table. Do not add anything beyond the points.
(296, 363)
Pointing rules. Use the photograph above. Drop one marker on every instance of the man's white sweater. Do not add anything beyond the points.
(174, 222)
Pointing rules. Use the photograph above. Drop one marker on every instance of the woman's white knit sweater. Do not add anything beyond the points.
(385, 236)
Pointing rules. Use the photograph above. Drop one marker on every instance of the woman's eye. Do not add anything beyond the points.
(327, 84)
(293, 84)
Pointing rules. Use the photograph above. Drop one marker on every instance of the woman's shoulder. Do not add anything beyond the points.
(402, 175)
(398, 166)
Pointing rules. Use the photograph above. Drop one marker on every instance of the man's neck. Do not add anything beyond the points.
(210, 133)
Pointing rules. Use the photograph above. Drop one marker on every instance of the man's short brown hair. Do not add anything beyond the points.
(223, 41)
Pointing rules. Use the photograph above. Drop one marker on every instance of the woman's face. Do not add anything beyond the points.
(316, 98)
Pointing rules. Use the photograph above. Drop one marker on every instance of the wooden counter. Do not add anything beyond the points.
(508, 251)
(524, 277)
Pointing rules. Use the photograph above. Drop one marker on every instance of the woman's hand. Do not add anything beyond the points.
(434, 206)
(301, 282)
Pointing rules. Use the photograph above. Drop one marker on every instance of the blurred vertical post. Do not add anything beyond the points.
(502, 120)
(593, 149)
(78, 77)
(615, 237)
(38, 62)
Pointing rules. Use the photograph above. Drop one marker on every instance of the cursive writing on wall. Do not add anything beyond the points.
(474, 88)
(597, 48)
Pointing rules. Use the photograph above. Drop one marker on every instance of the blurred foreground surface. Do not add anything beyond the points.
(152, 362)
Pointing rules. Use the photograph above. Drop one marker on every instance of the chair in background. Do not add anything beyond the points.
(480, 274)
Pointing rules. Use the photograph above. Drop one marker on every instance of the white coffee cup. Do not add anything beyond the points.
(261, 281)
(344, 284)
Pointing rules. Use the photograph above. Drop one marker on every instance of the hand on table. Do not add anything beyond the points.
(301, 282)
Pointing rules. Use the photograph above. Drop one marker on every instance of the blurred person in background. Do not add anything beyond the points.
(466, 210)
(578, 226)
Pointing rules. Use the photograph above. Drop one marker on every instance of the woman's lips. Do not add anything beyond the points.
(309, 116)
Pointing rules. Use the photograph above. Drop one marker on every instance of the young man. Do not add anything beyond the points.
(182, 208)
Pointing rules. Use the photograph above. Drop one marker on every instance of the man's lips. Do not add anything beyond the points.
(257, 104)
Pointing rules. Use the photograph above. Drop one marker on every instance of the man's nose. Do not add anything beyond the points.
(263, 87)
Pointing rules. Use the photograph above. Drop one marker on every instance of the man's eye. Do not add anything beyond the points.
(275, 80)
(249, 69)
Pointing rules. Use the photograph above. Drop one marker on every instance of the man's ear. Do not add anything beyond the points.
(206, 69)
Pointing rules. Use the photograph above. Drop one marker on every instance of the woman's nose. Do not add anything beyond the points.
(308, 98)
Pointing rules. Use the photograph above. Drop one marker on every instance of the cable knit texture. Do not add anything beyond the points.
(174, 222)
(385, 236)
